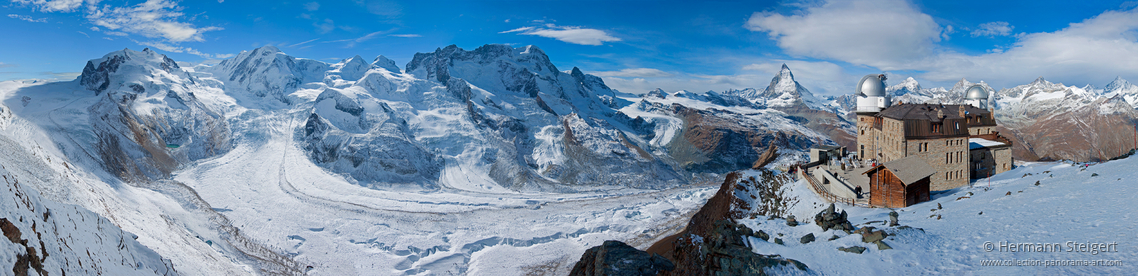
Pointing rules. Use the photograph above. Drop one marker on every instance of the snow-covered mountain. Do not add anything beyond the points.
(783, 91)
(266, 72)
(1122, 88)
(148, 119)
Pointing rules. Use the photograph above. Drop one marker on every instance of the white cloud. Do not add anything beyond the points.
(998, 28)
(312, 6)
(570, 34)
(887, 34)
(28, 18)
(892, 35)
(1089, 52)
(55, 5)
(634, 73)
(405, 35)
(152, 19)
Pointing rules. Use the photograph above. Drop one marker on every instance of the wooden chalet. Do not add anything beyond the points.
(899, 183)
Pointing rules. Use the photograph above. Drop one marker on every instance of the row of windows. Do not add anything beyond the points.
(954, 174)
(922, 147)
(953, 142)
(954, 157)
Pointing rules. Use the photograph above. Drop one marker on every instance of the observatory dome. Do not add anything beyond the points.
(871, 85)
(976, 92)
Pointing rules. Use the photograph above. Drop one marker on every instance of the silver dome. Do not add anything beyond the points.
(976, 92)
(871, 85)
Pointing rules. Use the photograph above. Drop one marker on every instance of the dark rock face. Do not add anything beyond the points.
(722, 252)
(617, 258)
(713, 244)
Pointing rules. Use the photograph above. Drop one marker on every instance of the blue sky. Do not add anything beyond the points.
(634, 45)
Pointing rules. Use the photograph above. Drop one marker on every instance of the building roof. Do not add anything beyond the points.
(908, 170)
(825, 147)
(929, 112)
(975, 143)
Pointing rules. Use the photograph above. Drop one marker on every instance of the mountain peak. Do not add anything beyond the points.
(98, 73)
(1039, 80)
(785, 73)
(1118, 82)
(267, 49)
(385, 63)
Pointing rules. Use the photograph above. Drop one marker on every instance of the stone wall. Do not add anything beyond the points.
(991, 161)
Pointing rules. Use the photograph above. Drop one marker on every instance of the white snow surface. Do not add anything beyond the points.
(1071, 204)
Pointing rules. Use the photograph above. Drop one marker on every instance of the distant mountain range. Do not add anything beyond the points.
(1047, 121)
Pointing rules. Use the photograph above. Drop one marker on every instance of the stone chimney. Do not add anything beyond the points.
(940, 113)
(962, 111)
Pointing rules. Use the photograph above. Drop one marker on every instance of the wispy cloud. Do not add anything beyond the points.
(54, 5)
(311, 6)
(351, 42)
(152, 19)
(516, 30)
(6, 65)
(405, 35)
(570, 34)
(187, 50)
(302, 43)
(998, 28)
(634, 73)
(325, 26)
(27, 18)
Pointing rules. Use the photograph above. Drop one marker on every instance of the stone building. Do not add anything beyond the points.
(940, 135)
(899, 183)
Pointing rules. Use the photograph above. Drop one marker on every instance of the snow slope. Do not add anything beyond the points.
(46, 142)
(1072, 203)
(48, 237)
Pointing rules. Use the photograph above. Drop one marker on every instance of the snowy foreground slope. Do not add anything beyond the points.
(46, 237)
(949, 234)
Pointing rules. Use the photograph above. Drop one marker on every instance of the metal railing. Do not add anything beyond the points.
(822, 191)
